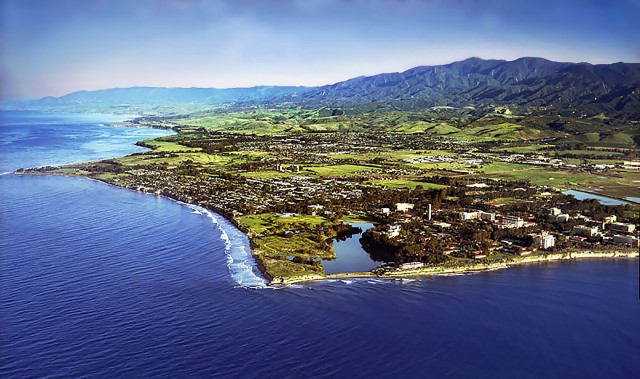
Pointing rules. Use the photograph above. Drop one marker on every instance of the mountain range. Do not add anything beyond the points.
(580, 89)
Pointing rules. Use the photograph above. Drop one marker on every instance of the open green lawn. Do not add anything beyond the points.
(199, 157)
(541, 176)
(168, 147)
(339, 170)
(260, 223)
(410, 184)
(598, 153)
(442, 166)
(521, 149)
(266, 174)
(392, 155)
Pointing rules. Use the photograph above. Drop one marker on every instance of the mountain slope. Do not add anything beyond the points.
(539, 85)
(528, 82)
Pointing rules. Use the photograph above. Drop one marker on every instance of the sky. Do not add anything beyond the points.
(54, 47)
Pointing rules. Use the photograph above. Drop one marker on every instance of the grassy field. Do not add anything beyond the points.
(259, 224)
(410, 184)
(500, 132)
(391, 155)
(339, 170)
(533, 148)
(160, 146)
(266, 174)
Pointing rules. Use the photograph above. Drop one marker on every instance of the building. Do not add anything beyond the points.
(583, 230)
(441, 224)
(315, 208)
(385, 211)
(609, 219)
(403, 207)
(513, 222)
(632, 164)
(554, 211)
(562, 217)
(394, 230)
(622, 227)
(410, 265)
(625, 240)
(466, 216)
(487, 216)
(544, 241)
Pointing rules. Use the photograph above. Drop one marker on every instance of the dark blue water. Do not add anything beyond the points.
(103, 282)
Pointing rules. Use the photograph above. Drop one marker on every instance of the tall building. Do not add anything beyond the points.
(544, 241)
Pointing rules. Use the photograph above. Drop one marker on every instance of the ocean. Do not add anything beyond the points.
(98, 281)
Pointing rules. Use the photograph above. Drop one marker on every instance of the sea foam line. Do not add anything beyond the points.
(240, 263)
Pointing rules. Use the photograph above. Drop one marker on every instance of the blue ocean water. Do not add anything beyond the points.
(31, 139)
(103, 282)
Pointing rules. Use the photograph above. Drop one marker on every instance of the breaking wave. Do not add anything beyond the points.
(240, 263)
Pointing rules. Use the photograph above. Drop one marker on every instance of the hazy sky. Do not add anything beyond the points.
(53, 47)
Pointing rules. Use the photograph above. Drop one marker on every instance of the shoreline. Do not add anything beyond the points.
(220, 212)
(575, 255)
(483, 267)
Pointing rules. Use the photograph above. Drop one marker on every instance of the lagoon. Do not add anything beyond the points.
(351, 257)
(601, 199)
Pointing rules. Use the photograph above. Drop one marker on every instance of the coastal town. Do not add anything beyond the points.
(436, 203)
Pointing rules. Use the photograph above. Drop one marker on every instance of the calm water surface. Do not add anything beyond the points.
(604, 200)
(103, 282)
(351, 257)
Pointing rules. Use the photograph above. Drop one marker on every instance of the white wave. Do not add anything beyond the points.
(5, 173)
(240, 263)
(196, 212)
(347, 281)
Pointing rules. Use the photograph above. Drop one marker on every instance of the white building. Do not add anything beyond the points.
(513, 222)
(554, 211)
(609, 219)
(403, 207)
(394, 231)
(562, 217)
(410, 265)
(385, 210)
(632, 164)
(315, 208)
(544, 241)
(465, 216)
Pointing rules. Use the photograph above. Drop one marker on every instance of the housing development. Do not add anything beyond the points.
(437, 201)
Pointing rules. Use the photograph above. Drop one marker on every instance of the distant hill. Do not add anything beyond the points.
(148, 98)
(612, 89)
(572, 89)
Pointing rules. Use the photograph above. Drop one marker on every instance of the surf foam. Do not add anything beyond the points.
(240, 263)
